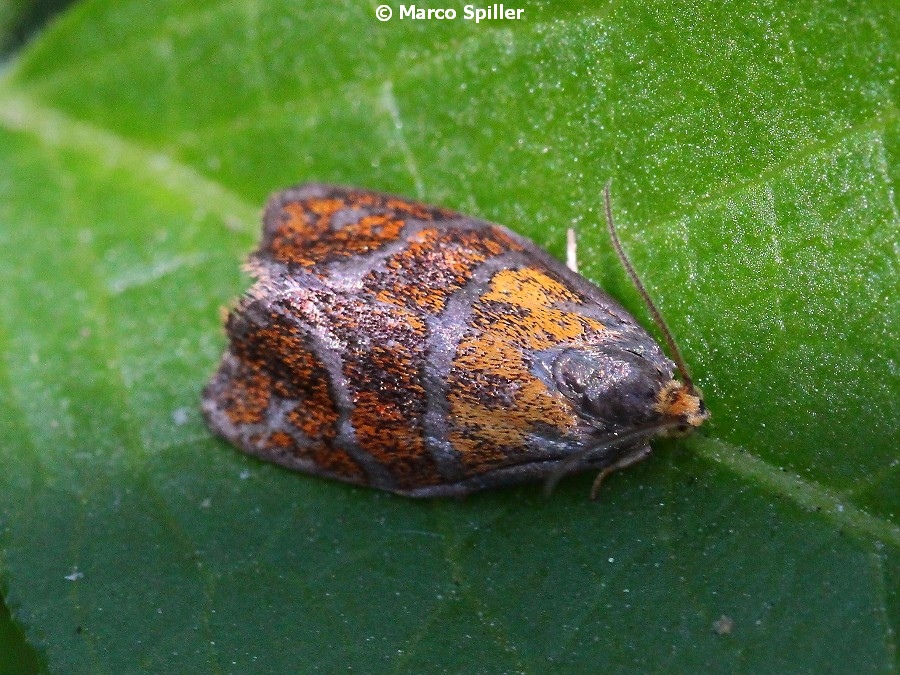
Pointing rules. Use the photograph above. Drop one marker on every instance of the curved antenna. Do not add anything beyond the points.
(657, 317)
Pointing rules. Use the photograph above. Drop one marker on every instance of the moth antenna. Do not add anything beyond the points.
(654, 312)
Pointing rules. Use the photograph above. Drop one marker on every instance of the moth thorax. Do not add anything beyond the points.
(611, 386)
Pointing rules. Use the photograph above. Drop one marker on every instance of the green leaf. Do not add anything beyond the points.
(754, 152)
(16, 656)
(20, 19)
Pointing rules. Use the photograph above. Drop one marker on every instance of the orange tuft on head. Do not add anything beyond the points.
(679, 400)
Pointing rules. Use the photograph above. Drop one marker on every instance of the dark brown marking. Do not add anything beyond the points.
(245, 402)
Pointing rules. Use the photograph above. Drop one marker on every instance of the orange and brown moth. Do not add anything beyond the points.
(409, 348)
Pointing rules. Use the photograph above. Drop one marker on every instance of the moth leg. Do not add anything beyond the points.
(629, 459)
(572, 250)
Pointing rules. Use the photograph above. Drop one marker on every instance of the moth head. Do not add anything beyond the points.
(684, 402)
(628, 396)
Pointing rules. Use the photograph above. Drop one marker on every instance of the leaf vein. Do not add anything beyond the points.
(807, 494)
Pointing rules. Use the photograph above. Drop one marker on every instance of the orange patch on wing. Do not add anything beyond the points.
(324, 208)
(495, 400)
(300, 376)
(246, 400)
(383, 376)
(305, 236)
(369, 200)
(536, 324)
(303, 379)
(316, 416)
(280, 439)
(412, 208)
(483, 427)
(435, 264)
(393, 436)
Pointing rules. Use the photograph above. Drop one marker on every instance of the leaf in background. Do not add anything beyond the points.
(754, 152)
(21, 19)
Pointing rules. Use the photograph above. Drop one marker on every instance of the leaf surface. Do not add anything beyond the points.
(754, 153)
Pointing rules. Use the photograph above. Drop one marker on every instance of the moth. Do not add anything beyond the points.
(410, 348)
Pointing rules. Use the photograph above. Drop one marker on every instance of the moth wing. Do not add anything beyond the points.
(314, 224)
(270, 395)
